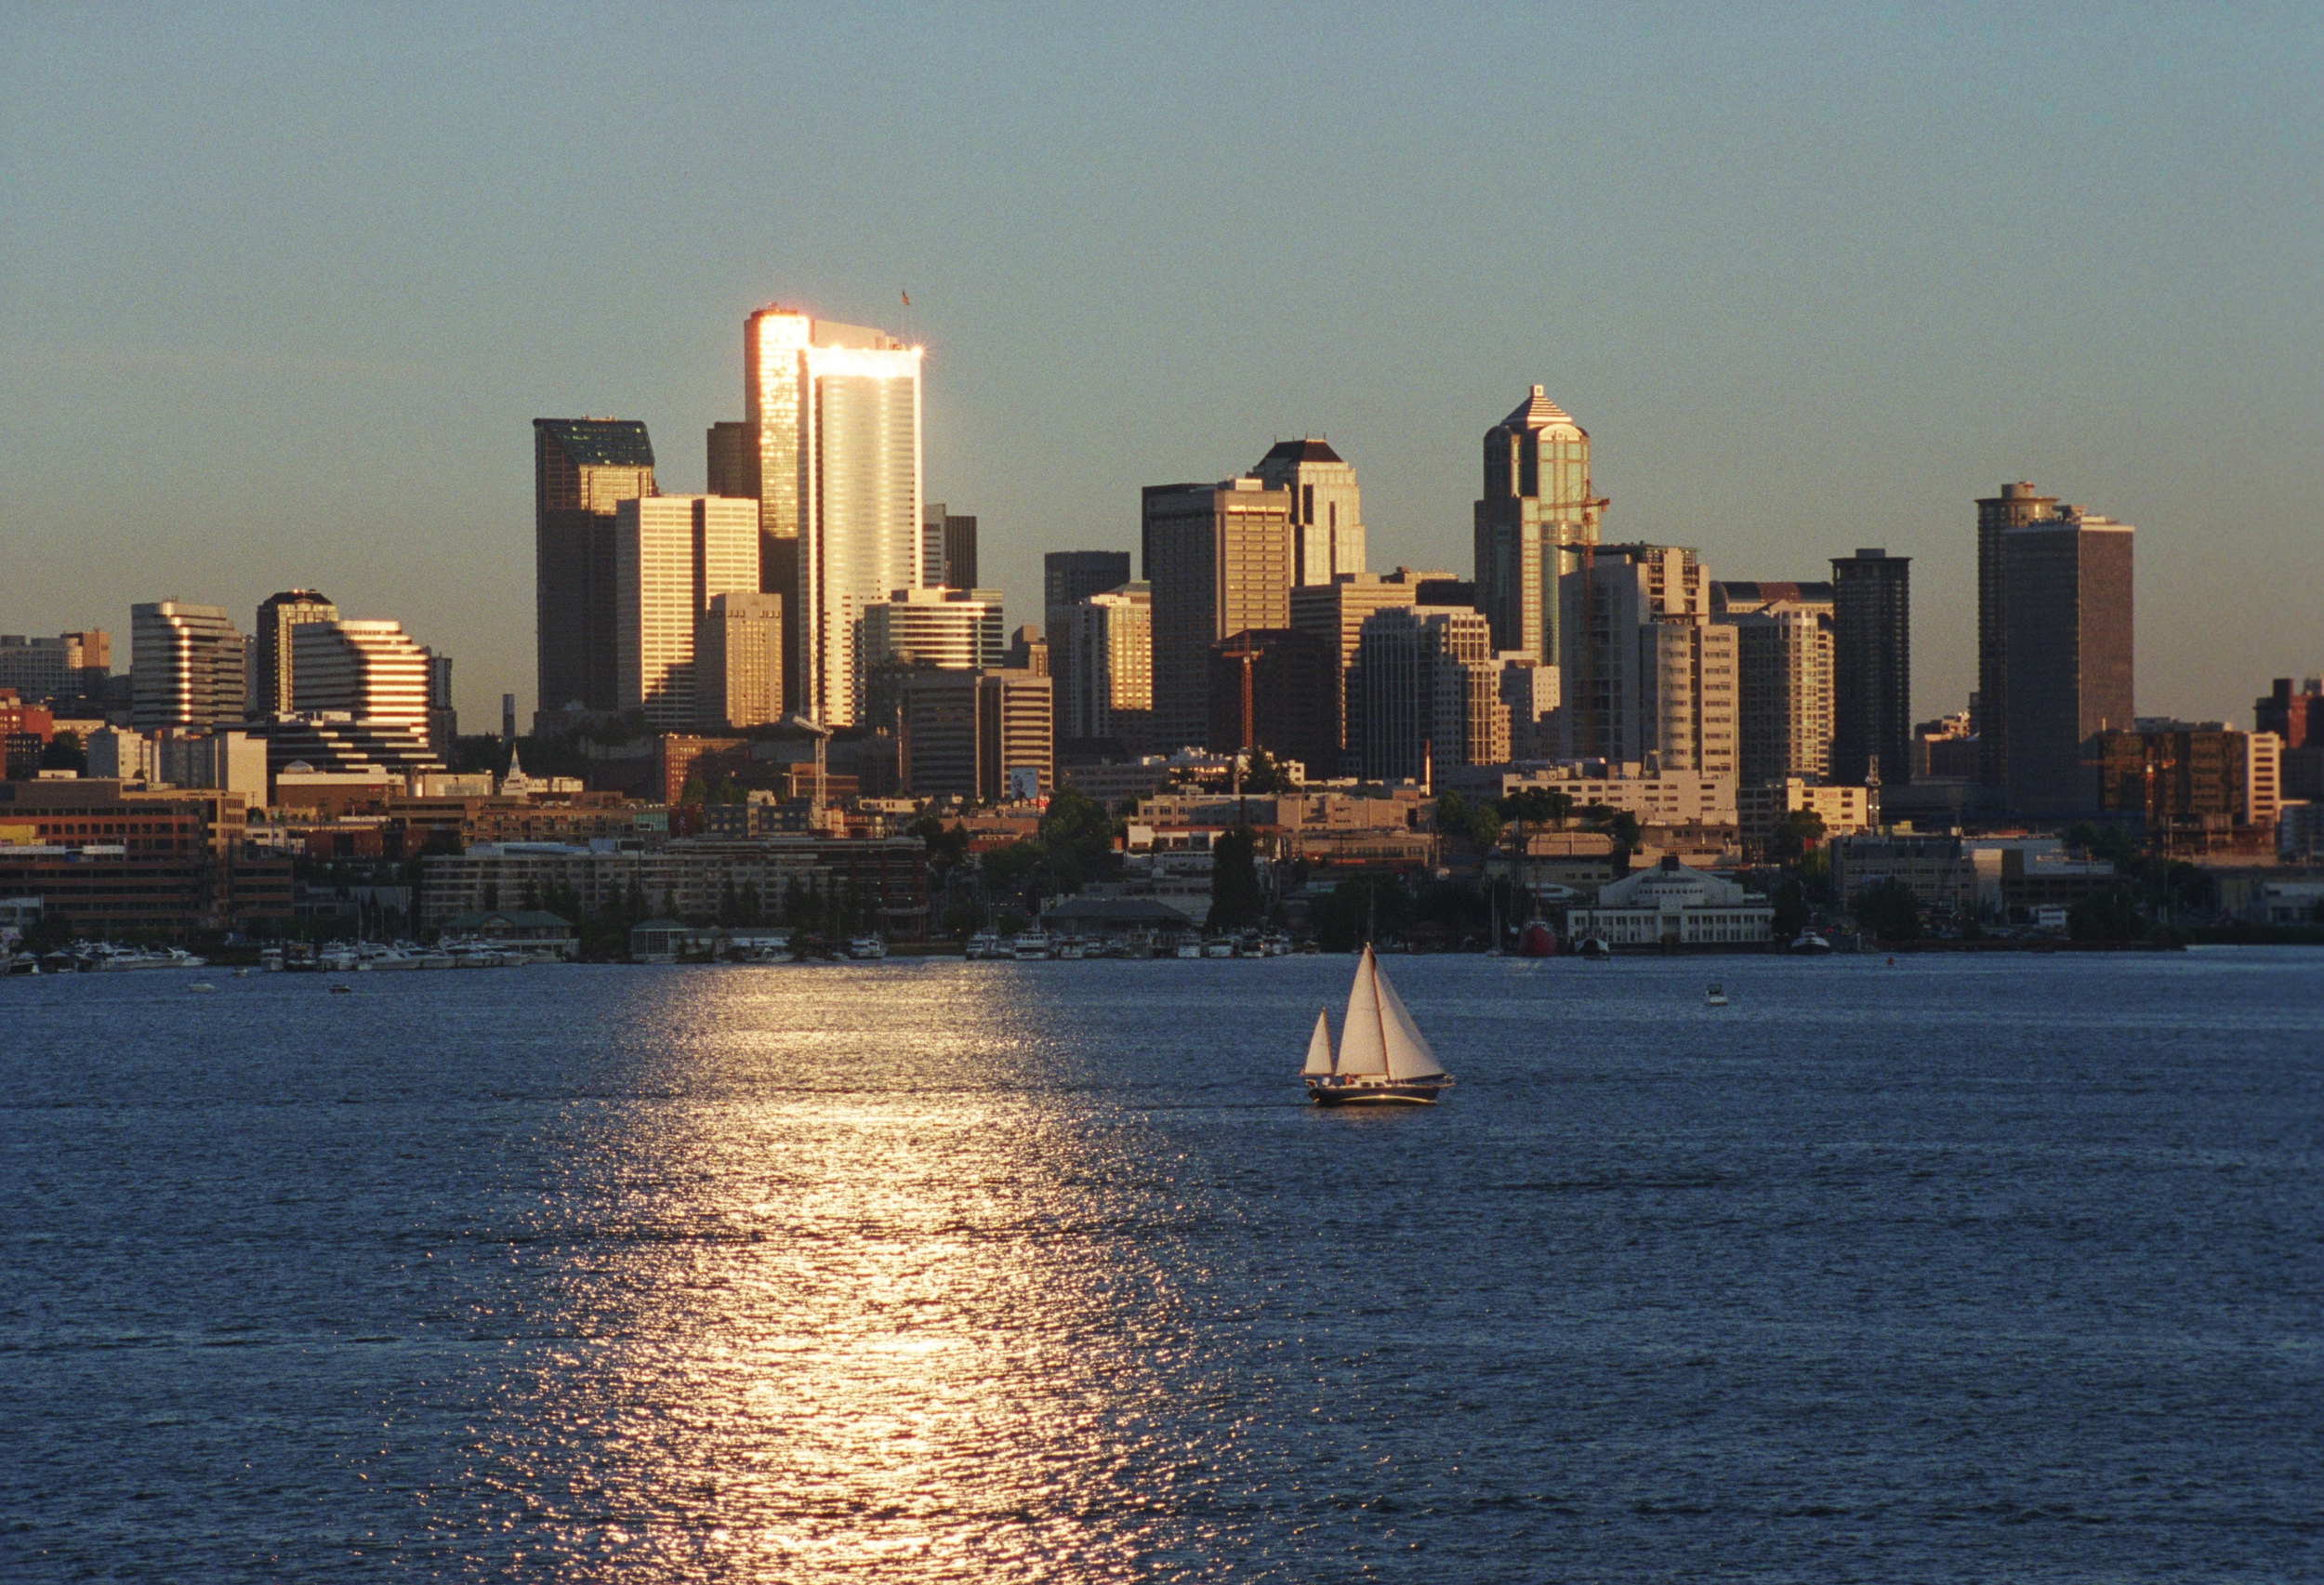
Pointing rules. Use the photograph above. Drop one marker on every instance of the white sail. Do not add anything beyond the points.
(1319, 1048)
(1364, 1033)
(1407, 1054)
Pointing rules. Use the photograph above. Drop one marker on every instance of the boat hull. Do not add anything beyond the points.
(1376, 1093)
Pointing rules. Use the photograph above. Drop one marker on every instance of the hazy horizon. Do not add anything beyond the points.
(281, 292)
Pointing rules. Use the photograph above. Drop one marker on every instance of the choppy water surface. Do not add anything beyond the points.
(1954, 1269)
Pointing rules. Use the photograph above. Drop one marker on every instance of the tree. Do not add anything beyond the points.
(65, 752)
(1791, 911)
(1262, 775)
(1794, 835)
(2110, 915)
(1536, 806)
(1890, 910)
(1456, 816)
(1235, 901)
(1077, 841)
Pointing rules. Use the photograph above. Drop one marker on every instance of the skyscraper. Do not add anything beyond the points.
(2015, 505)
(277, 614)
(1273, 689)
(1219, 560)
(1335, 612)
(368, 671)
(2068, 648)
(947, 547)
(582, 469)
(186, 665)
(1068, 577)
(1871, 715)
(444, 719)
(1537, 508)
(1430, 692)
(1644, 669)
(835, 409)
(923, 629)
(1326, 508)
(671, 555)
(1101, 657)
(1784, 678)
(738, 660)
(965, 733)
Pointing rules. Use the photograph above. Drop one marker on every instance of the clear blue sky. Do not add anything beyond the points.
(282, 289)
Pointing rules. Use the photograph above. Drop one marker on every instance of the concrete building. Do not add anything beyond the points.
(1871, 668)
(272, 691)
(2068, 641)
(1068, 577)
(1101, 656)
(186, 665)
(1783, 657)
(947, 548)
(1760, 806)
(1664, 797)
(2298, 720)
(70, 665)
(1326, 508)
(2171, 772)
(1673, 905)
(1645, 670)
(967, 734)
(672, 554)
(738, 659)
(1940, 873)
(1335, 613)
(582, 469)
(444, 719)
(1218, 561)
(1420, 703)
(1273, 689)
(2016, 506)
(365, 670)
(923, 629)
(1531, 689)
(835, 410)
(1537, 508)
(116, 754)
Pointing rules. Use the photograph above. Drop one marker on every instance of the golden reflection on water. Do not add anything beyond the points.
(852, 1302)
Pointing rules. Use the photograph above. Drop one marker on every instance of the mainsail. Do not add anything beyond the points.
(1319, 1048)
(1408, 1056)
(1364, 1033)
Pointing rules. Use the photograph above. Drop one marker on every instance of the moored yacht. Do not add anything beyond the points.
(1031, 945)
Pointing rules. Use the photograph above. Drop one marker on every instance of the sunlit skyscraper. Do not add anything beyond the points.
(369, 671)
(186, 665)
(835, 410)
(672, 556)
(1326, 508)
(1537, 511)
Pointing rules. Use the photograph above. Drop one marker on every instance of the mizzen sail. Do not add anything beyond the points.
(1319, 1048)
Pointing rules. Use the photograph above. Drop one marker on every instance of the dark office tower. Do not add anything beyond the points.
(1535, 513)
(1068, 577)
(582, 469)
(733, 458)
(2068, 646)
(1219, 560)
(1871, 666)
(1275, 690)
(2014, 505)
(270, 680)
(947, 547)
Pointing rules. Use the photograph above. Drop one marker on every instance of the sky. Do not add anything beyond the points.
(282, 289)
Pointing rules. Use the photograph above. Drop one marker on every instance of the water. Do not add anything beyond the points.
(1958, 1269)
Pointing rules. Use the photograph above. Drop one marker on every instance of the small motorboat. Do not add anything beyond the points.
(1595, 949)
(343, 989)
(1716, 996)
(202, 986)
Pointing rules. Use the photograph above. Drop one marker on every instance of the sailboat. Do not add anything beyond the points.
(1384, 1060)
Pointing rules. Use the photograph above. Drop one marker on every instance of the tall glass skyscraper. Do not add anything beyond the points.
(582, 469)
(277, 614)
(1537, 511)
(835, 410)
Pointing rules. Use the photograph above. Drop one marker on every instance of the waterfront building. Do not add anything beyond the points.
(2069, 645)
(1218, 559)
(1428, 693)
(947, 548)
(273, 663)
(103, 858)
(2016, 506)
(186, 665)
(1326, 508)
(1871, 668)
(672, 555)
(1943, 878)
(836, 411)
(1673, 905)
(1537, 509)
(738, 659)
(1101, 656)
(1272, 689)
(582, 469)
(1645, 670)
(1335, 613)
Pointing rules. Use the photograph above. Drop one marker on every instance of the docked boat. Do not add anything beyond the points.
(1595, 949)
(1031, 945)
(1073, 947)
(1221, 946)
(1384, 1060)
(985, 945)
(866, 947)
(1537, 939)
(1808, 943)
(1189, 948)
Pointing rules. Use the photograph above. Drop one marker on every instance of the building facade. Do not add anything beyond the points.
(271, 690)
(672, 555)
(2068, 647)
(967, 734)
(365, 670)
(947, 547)
(1537, 509)
(1326, 508)
(1217, 561)
(738, 658)
(1672, 905)
(1335, 613)
(1271, 690)
(1871, 668)
(1428, 691)
(1783, 657)
(1101, 657)
(186, 665)
(922, 630)
(582, 469)
(69, 666)
(2016, 506)
(1645, 670)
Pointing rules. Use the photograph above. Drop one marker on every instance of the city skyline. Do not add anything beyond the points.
(1867, 364)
